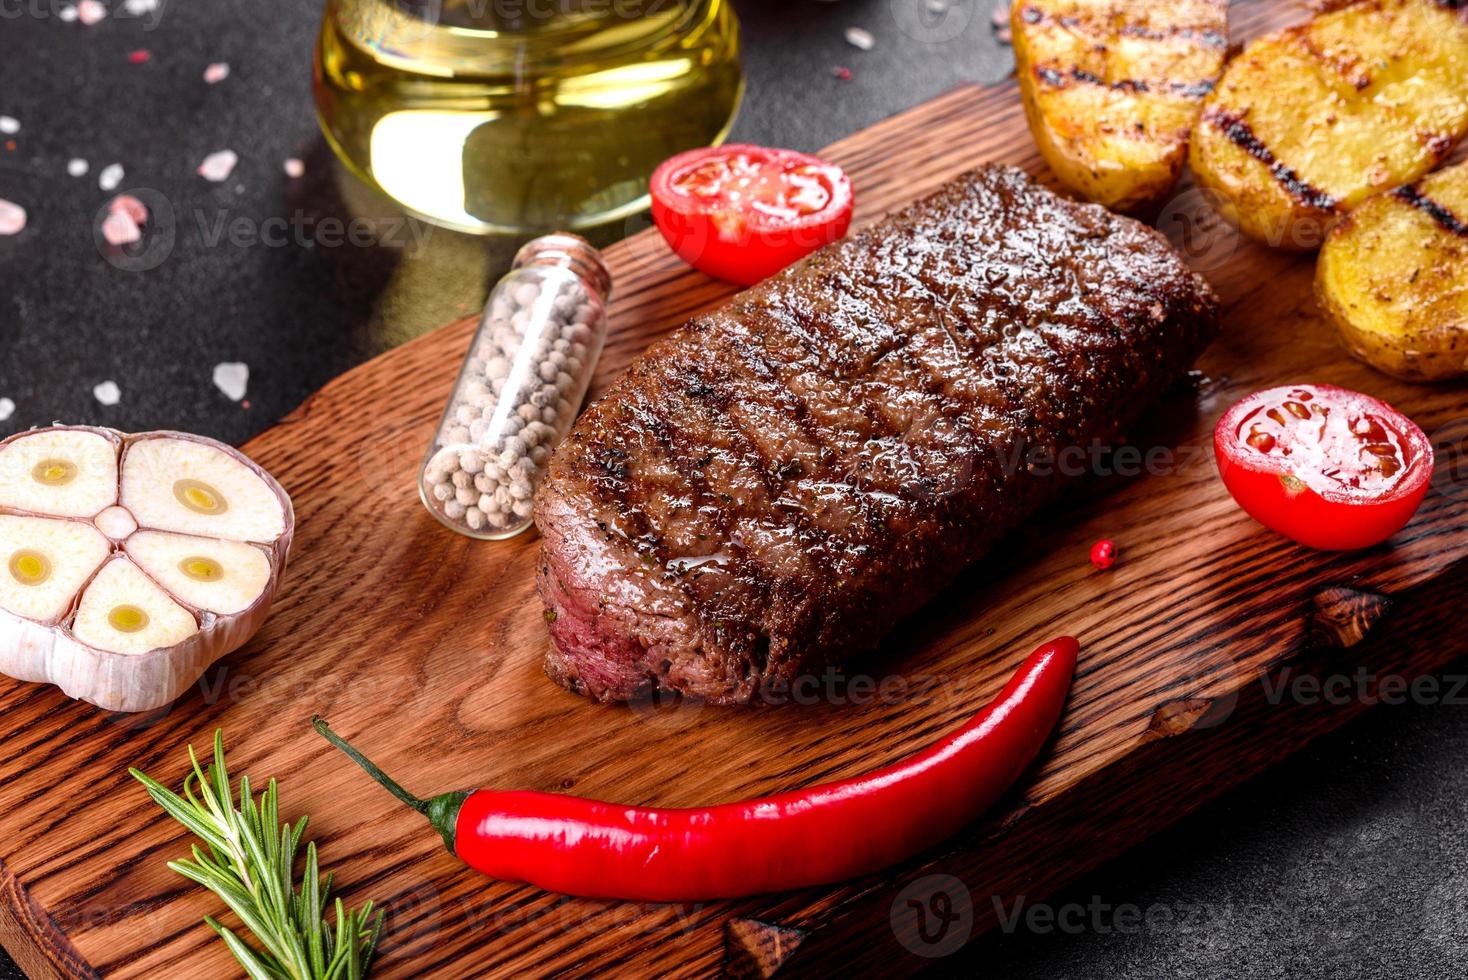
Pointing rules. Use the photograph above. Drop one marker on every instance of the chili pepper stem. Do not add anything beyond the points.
(442, 811)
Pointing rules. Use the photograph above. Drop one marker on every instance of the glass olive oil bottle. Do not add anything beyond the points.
(523, 115)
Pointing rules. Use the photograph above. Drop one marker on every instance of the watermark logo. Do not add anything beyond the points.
(933, 916)
(1193, 223)
(665, 711)
(1445, 914)
(932, 21)
(157, 233)
(390, 456)
(1450, 447)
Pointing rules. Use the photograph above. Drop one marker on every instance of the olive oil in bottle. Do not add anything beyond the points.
(523, 115)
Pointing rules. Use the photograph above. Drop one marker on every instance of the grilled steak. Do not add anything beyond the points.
(770, 489)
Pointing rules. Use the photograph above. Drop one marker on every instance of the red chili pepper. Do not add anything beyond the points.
(813, 836)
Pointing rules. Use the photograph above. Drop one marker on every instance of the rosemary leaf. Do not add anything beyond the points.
(248, 860)
(256, 969)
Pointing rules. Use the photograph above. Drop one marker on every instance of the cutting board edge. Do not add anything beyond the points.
(33, 938)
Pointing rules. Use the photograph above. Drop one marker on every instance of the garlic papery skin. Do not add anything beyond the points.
(110, 609)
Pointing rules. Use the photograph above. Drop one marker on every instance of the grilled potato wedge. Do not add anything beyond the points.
(1311, 120)
(1112, 89)
(1393, 275)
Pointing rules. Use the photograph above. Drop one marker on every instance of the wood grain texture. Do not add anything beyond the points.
(755, 949)
(425, 648)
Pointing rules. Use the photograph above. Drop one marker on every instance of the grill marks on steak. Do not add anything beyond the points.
(774, 486)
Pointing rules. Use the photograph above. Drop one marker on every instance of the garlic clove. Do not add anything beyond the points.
(124, 611)
(222, 577)
(45, 564)
(115, 522)
(171, 483)
(59, 472)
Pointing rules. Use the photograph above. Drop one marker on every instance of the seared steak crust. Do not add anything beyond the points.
(771, 488)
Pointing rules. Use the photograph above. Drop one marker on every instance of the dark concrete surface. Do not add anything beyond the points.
(1346, 861)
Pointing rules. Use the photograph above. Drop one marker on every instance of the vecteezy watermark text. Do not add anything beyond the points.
(161, 229)
(1101, 917)
(1363, 687)
(150, 12)
(308, 231)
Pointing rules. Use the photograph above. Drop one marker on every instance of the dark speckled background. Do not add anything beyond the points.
(1349, 860)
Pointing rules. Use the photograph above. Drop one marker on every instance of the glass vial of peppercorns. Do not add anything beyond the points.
(526, 373)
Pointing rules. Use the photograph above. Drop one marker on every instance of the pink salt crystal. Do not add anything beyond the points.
(119, 228)
(12, 218)
(216, 72)
(232, 378)
(294, 168)
(130, 206)
(842, 73)
(218, 166)
(90, 11)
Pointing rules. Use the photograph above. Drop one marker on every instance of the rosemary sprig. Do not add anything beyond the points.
(248, 859)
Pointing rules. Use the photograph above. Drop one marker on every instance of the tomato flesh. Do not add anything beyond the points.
(742, 213)
(1327, 467)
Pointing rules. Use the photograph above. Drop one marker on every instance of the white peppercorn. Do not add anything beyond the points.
(527, 372)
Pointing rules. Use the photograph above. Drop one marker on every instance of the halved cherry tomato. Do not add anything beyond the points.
(742, 213)
(1327, 467)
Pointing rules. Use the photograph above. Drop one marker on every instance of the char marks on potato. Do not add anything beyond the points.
(1308, 122)
(1112, 89)
(1393, 277)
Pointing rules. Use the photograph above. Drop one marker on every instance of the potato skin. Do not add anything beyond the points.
(1393, 278)
(1112, 88)
(1309, 121)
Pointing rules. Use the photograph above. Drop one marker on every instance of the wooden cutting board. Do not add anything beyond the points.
(426, 649)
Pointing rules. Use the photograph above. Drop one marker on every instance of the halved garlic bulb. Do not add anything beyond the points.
(129, 564)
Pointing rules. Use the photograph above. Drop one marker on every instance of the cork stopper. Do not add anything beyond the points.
(568, 251)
